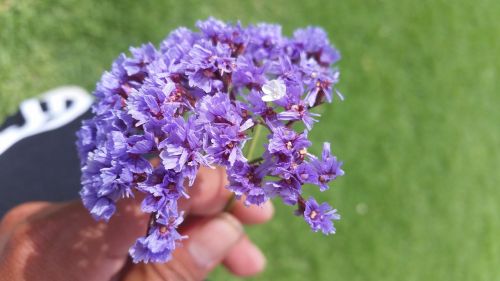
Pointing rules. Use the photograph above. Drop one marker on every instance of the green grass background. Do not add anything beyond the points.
(418, 131)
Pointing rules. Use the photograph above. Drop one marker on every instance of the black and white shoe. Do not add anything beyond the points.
(38, 159)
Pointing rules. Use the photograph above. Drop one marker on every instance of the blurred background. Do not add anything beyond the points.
(418, 131)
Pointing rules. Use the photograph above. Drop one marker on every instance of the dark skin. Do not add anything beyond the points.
(45, 241)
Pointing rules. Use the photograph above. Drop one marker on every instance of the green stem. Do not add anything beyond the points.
(255, 160)
(255, 139)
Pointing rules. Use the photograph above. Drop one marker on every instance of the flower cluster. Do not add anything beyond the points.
(196, 101)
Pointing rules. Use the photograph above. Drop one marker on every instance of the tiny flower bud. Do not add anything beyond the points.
(273, 90)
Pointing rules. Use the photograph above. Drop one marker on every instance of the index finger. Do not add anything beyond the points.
(209, 196)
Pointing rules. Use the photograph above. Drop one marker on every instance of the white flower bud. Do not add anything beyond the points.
(273, 90)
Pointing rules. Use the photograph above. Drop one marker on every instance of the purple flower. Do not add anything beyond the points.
(206, 65)
(219, 32)
(219, 110)
(265, 41)
(289, 187)
(140, 144)
(226, 144)
(212, 28)
(115, 120)
(306, 173)
(287, 142)
(320, 217)
(247, 180)
(160, 242)
(178, 44)
(100, 207)
(182, 150)
(288, 72)
(163, 189)
(320, 81)
(115, 181)
(149, 104)
(100, 204)
(321, 88)
(112, 88)
(141, 57)
(248, 74)
(298, 111)
(261, 108)
(127, 73)
(86, 139)
(328, 168)
(314, 42)
(198, 100)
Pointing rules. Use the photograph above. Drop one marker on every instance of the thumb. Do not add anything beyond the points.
(210, 240)
(65, 243)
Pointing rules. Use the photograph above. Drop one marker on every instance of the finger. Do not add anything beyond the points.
(245, 259)
(19, 214)
(208, 195)
(210, 240)
(253, 214)
(67, 237)
(16, 216)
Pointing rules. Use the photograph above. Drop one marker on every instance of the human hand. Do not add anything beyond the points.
(44, 241)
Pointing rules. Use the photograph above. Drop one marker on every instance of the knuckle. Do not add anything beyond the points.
(15, 214)
(16, 253)
(21, 237)
(19, 214)
(20, 234)
(20, 243)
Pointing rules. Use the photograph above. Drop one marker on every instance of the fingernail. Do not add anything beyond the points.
(209, 246)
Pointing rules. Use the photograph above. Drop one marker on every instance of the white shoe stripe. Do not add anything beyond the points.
(57, 115)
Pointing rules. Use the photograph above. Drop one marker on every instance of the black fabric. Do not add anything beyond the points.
(16, 119)
(44, 167)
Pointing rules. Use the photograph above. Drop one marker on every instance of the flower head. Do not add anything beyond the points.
(328, 168)
(160, 242)
(320, 217)
(198, 100)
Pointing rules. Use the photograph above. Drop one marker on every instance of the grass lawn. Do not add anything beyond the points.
(419, 130)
